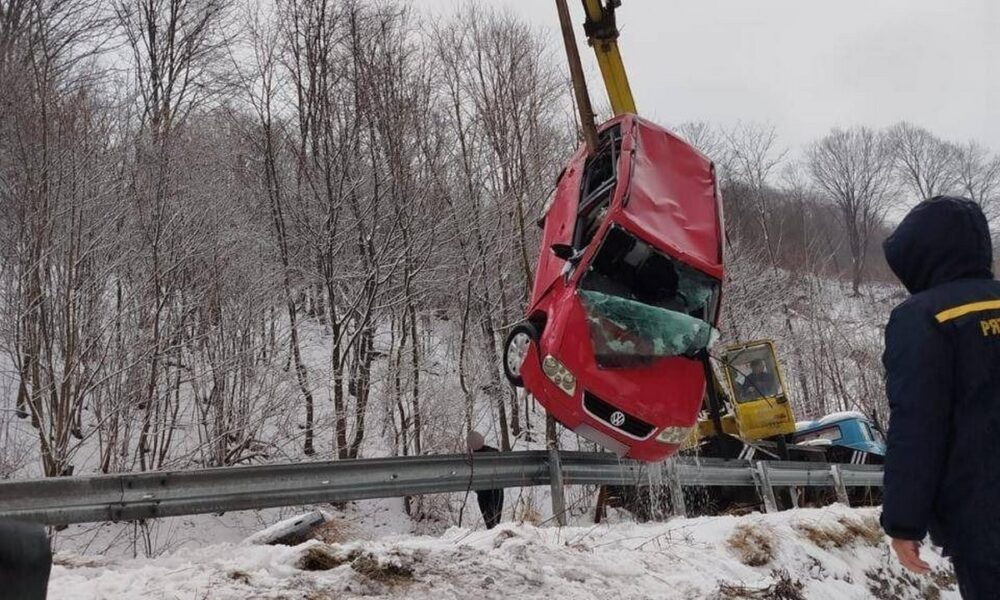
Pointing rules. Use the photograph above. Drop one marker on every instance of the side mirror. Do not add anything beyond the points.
(563, 251)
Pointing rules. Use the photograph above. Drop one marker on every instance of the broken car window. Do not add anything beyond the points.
(628, 267)
(643, 305)
(598, 187)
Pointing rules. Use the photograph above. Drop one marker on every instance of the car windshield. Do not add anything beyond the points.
(642, 305)
(829, 434)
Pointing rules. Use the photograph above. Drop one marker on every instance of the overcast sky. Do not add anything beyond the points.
(804, 65)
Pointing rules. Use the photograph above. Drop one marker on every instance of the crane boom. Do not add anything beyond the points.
(602, 34)
(584, 108)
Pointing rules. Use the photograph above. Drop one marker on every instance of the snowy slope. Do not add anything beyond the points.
(834, 553)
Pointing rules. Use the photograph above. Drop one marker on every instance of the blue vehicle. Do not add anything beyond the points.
(850, 437)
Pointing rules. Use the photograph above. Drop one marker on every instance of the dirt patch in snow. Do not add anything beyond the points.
(752, 544)
(334, 531)
(390, 569)
(784, 588)
(391, 572)
(845, 532)
(322, 558)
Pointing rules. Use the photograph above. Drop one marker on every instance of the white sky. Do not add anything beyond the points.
(803, 65)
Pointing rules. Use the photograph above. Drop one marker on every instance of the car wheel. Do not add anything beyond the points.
(515, 351)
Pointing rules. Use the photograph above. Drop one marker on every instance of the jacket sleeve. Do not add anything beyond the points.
(919, 384)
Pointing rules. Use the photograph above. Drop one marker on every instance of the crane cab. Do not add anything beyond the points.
(759, 396)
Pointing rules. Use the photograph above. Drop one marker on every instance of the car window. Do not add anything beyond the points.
(628, 267)
(642, 305)
(600, 177)
(753, 374)
(831, 434)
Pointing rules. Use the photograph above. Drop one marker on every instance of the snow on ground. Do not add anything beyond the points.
(832, 553)
(367, 519)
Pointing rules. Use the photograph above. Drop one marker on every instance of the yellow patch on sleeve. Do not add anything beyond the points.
(967, 309)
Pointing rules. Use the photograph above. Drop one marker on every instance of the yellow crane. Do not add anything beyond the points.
(602, 34)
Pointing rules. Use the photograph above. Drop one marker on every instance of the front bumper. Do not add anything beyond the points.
(573, 414)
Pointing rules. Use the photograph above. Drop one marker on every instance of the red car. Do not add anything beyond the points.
(626, 292)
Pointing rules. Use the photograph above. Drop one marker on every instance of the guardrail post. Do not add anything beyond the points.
(676, 489)
(762, 479)
(556, 482)
(838, 485)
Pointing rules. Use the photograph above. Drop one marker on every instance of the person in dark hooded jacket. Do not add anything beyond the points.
(942, 362)
(490, 501)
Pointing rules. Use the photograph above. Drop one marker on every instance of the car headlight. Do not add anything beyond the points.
(559, 375)
(674, 435)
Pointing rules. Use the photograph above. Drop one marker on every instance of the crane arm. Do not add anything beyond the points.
(602, 34)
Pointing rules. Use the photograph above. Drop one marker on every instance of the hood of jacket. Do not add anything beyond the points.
(941, 240)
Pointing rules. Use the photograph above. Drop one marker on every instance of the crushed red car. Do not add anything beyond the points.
(626, 292)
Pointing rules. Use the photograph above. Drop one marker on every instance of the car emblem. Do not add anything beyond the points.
(618, 418)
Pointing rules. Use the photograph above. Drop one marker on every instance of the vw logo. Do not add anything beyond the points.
(618, 418)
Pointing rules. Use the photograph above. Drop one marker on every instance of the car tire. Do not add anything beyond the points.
(515, 350)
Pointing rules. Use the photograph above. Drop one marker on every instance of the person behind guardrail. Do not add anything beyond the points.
(942, 362)
(25, 561)
(490, 501)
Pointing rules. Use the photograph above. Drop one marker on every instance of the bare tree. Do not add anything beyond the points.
(261, 83)
(977, 175)
(924, 162)
(854, 170)
(504, 111)
(752, 156)
(55, 162)
(708, 139)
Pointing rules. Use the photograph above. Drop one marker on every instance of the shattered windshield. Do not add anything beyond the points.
(642, 305)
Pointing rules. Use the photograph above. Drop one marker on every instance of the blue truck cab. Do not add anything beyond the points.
(851, 437)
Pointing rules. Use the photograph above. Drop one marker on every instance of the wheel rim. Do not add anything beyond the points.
(517, 351)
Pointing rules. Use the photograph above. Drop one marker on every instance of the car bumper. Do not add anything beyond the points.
(570, 411)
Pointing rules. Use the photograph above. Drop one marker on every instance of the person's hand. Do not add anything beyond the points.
(908, 552)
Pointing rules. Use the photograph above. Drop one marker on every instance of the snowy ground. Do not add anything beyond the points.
(833, 553)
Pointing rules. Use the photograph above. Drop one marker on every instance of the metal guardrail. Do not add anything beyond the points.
(133, 496)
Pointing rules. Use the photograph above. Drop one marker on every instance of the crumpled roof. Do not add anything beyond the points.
(671, 201)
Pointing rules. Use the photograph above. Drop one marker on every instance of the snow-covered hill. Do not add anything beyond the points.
(832, 553)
